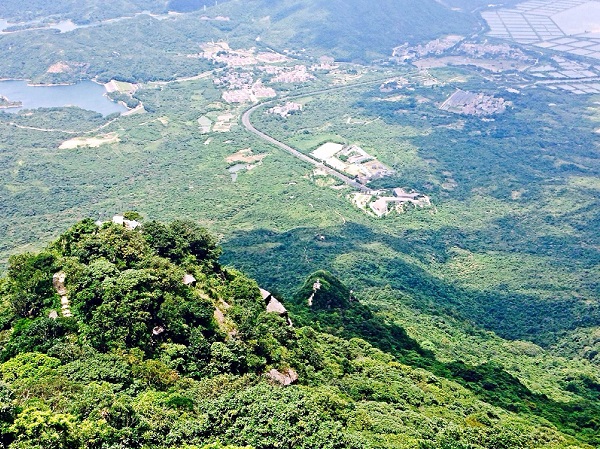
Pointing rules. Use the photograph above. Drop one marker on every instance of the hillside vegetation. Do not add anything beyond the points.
(103, 344)
(135, 47)
(351, 30)
(470, 323)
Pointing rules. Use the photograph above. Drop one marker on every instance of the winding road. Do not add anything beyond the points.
(303, 157)
(297, 154)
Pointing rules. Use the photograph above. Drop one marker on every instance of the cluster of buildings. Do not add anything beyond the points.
(352, 160)
(481, 50)
(249, 93)
(221, 52)
(296, 74)
(243, 66)
(284, 110)
(406, 52)
(381, 206)
(234, 80)
(356, 162)
(469, 103)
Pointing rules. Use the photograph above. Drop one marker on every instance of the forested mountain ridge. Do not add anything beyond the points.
(352, 30)
(148, 41)
(139, 337)
(471, 323)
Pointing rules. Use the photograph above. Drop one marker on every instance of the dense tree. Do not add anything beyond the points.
(181, 239)
(41, 428)
(148, 360)
(29, 283)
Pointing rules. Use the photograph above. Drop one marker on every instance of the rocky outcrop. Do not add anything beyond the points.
(285, 378)
(273, 305)
(188, 279)
(316, 286)
(58, 280)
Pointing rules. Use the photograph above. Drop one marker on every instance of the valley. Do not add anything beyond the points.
(398, 122)
(434, 168)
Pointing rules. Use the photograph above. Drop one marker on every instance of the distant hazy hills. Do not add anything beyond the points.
(352, 29)
(80, 11)
(346, 29)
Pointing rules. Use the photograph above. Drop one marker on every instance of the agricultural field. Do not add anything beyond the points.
(571, 26)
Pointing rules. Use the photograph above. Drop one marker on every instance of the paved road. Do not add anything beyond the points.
(303, 157)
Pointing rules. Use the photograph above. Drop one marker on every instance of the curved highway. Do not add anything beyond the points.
(303, 157)
(297, 154)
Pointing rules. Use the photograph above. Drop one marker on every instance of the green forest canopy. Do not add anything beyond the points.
(143, 358)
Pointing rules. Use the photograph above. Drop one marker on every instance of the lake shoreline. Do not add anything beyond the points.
(85, 94)
(48, 84)
(30, 84)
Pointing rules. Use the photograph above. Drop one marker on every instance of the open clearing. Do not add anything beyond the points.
(92, 142)
(119, 86)
(246, 155)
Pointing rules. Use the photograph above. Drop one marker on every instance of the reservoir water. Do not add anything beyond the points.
(85, 94)
(234, 169)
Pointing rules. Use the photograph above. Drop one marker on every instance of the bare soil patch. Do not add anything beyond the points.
(92, 142)
(246, 156)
